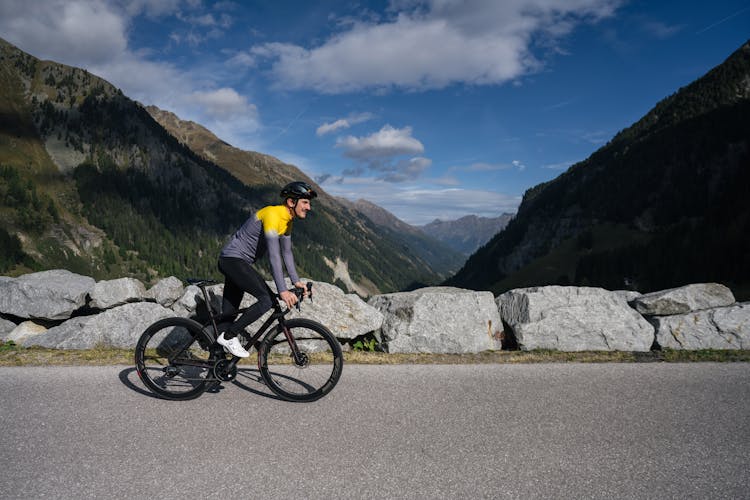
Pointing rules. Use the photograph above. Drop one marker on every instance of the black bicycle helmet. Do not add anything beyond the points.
(297, 190)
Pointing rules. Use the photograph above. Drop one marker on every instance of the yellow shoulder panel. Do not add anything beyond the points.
(276, 220)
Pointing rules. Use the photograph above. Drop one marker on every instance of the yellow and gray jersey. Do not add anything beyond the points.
(269, 231)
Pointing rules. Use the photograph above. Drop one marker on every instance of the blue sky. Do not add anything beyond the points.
(430, 108)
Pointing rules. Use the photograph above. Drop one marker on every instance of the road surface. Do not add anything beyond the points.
(648, 430)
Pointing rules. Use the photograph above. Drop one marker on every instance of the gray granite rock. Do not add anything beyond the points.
(52, 295)
(27, 329)
(567, 318)
(166, 291)
(6, 326)
(683, 299)
(718, 328)
(110, 293)
(439, 320)
(117, 327)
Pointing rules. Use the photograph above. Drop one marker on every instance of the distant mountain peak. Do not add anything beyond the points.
(468, 233)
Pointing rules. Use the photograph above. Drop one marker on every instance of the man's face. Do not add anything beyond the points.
(303, 206)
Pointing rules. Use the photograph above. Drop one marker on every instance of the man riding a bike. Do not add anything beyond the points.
(268, 231)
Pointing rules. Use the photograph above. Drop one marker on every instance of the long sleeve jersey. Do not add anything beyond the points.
(267, 231)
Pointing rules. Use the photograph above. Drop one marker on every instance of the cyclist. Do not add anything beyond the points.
(267, 231)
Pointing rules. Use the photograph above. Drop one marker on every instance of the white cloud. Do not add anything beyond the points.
(404, 170)
(224, 104)
(332, 127)
(432, 44)
(74, 32)
(343, 123)
(242, 59)
(387, 142)
(490, 167)
(519, 165)
(382, 152)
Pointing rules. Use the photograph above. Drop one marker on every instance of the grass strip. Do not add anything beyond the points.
(14, 355)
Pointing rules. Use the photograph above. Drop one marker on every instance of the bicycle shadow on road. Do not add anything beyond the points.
(247, 379)
(124, 376)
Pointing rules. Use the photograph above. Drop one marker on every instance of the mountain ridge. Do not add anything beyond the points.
(444, 259)
(468, 233)
(93, 183)
(662, 204)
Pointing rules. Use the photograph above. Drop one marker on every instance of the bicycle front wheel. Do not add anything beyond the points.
(173, 359)
(309, 375)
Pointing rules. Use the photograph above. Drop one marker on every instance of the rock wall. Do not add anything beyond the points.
(60, 309)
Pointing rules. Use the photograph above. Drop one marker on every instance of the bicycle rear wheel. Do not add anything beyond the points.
(173, 359)
(317, 369)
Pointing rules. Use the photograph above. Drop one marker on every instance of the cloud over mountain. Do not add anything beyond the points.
(432, 44)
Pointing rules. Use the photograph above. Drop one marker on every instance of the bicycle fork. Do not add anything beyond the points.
(300, 358)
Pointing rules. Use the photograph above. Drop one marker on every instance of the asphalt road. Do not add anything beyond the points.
(462, 431)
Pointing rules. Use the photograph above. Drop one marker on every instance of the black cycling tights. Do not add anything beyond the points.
(240, 277)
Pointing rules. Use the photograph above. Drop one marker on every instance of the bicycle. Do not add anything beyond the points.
(298, 359)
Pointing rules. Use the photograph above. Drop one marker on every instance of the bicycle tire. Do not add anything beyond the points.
(173, 359)
(310, 381)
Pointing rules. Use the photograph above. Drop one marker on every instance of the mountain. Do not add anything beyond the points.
(444, 259)
(256, 169)
(664, 203)
(468, 233)
(91, 182)
(250, 167)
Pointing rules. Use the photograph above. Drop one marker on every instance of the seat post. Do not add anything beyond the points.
(202, 286)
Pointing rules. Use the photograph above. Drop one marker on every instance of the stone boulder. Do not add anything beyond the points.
(6, 327)
(26, 329)
(439, 320)
(166, 291)
(684, 299)
(52, 295)
(718, 328)
(192, 300)
(110, 293)
(346, 315)
(566, 318)
(117, 327)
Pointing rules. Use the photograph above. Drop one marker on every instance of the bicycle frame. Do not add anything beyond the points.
(277, 315)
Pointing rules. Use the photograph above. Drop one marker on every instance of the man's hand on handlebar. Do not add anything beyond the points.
(300, 292)
(289, 298)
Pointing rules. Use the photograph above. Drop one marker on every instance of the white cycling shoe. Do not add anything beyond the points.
(233, 346)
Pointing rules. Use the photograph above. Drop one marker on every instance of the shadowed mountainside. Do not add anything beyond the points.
(663, 204)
